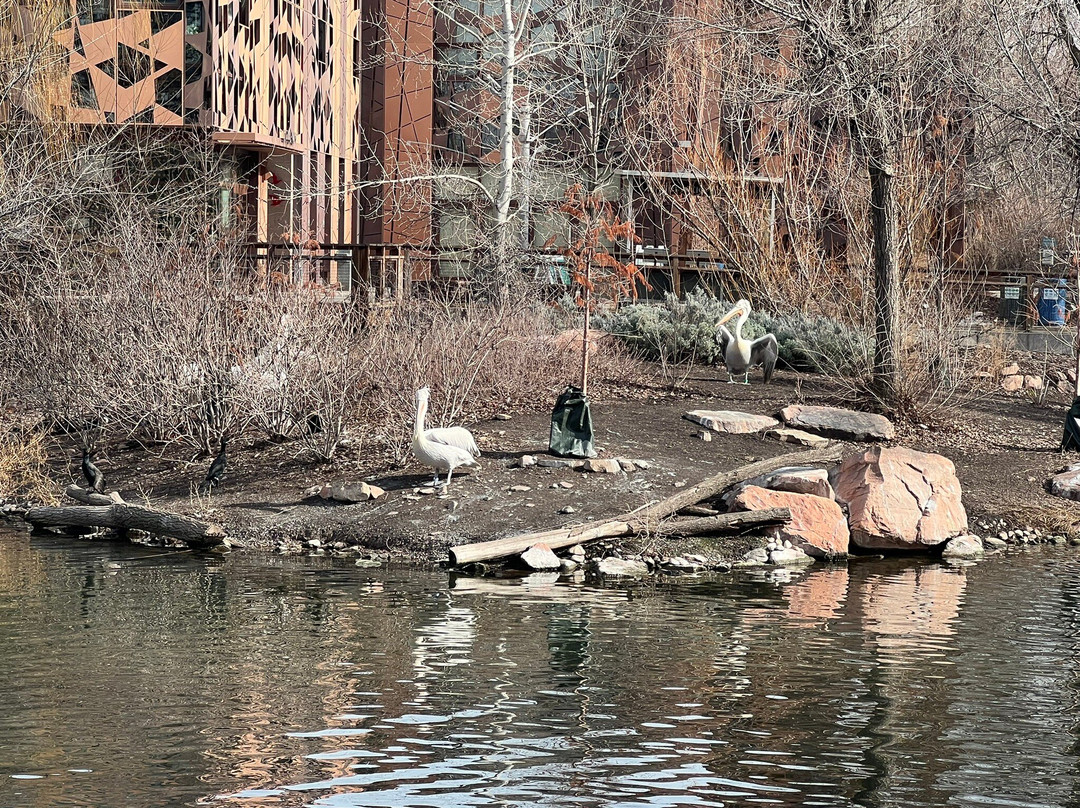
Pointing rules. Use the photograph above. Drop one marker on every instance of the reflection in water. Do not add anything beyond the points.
(148, 679)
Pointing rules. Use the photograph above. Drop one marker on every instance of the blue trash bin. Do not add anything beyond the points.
(1052, 302)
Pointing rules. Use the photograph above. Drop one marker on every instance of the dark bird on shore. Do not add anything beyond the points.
(217, 469)
(92, 473)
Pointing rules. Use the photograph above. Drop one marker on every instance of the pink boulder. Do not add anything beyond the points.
(900, 499)
(817, 525)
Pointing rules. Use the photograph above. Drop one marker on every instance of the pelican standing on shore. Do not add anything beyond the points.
(741, 354)
(441, 449)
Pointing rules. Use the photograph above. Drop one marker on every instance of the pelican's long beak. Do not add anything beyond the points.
(742, 307)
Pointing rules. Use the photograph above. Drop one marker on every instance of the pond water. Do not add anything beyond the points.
(136, 678)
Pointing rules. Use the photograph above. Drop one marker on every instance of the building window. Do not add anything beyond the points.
(168, 91)
(489, 137)
(132, 66)
(196, 19)
(83, 94)
(193, 64)
(91, 11)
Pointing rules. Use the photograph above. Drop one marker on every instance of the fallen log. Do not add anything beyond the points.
(92, 497)
(722, 523)
(121, 516)
(642, 520)
(698, 510)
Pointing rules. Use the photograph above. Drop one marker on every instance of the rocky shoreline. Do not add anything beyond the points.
(365, 508)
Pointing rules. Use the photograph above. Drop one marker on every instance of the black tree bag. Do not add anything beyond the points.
(571, 425)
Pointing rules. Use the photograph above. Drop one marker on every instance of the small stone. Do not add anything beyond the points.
(705, 435)
(994, 543)
(540, 557)
(566, 484)
(577, 552)
(325, 491)
(568, 565)
(643, 464)
(368, 563)
(964, 547)
(602, 466)
(798, 437)
(1033, 383)
(620, 568)
(680, 566)
(315, 544)
(789, 557)
(1010, 370)
(427, 492)
(502, 416)
(314, 491)
(519, 488)
(526, 461)
(756, 557)
(568, 509)
(627, 465)
(1010, 384)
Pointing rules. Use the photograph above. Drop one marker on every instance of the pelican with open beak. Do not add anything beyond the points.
(741, 354)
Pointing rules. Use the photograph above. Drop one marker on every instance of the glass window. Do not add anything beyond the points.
(83, 94)
(193, 64)
(90, 11)
(196, 19)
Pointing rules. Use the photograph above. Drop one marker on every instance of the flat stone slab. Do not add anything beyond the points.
(834, 422)
(620, 568)
(559, 463)
(731, 422)
(798, 437)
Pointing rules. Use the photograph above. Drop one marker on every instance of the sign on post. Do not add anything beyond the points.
(1046, 254)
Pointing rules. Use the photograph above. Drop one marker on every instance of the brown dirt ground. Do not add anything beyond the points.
(1004, 447)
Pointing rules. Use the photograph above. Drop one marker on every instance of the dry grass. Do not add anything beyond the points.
(24, 458)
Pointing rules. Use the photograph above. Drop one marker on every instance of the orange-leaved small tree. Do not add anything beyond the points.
(595, 230)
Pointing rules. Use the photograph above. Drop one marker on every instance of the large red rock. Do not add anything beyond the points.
(900, 499)
(817, 524)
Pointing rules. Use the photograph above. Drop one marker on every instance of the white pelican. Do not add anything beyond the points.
(441, 449)
(741, 354)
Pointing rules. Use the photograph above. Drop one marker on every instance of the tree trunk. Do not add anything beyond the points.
(505, 195)
(122, 516)
(884, 226)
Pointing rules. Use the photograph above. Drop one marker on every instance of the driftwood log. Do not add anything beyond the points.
(110, 511)
(92, 497)
(721, 523)
(643, 520)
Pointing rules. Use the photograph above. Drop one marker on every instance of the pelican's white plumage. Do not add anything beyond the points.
(442, 449)
(741, 354)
